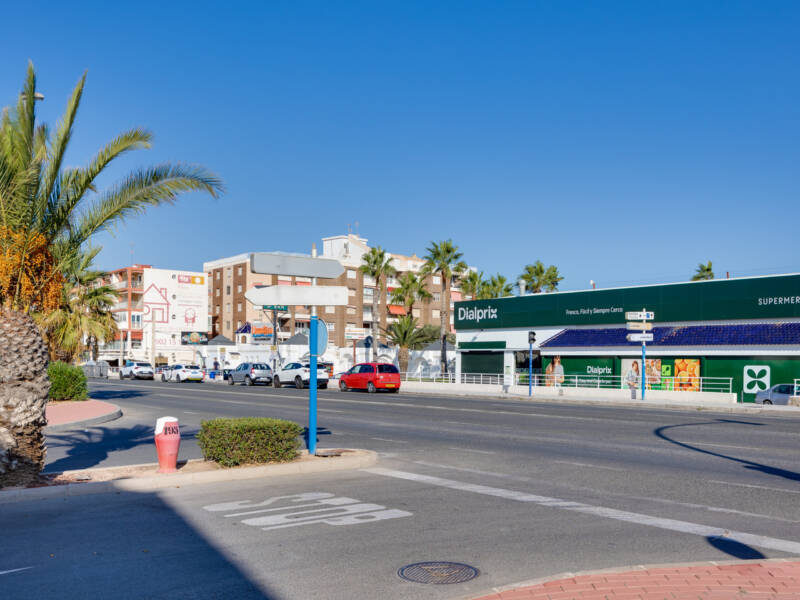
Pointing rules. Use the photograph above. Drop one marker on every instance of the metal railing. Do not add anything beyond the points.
(687, 384)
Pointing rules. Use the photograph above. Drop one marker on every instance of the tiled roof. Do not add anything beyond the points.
(762, 334)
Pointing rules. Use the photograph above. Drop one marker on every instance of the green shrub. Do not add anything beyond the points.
(67, 382)
(232, 442)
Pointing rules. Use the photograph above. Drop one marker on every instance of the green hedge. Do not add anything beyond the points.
(232, 442)
(67, 382)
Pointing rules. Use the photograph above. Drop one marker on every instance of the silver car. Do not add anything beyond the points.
(251, 374)
(777, 394)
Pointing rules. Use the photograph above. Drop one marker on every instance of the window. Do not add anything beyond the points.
(330, 309)
(216, 309)
(228, 308)
(217, 275)
(415, 313)
(239, 324)
(239, 271)
(238, 307)
(136, 320)
(216, 292)
(437, 297)
(227, 324)
(351, 311)
(436, 280)
(387, 369)
(351, 274)
(435, 314)
(351, 292)
(367, 369)
(227, 290)
(239, 289)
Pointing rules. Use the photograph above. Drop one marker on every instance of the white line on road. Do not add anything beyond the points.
(333, 410)
(749, 539)
(580, 464)
(722, 445)
(189, 412)
(388, 440)
(471, 450)
(15, 570)
(760, 487)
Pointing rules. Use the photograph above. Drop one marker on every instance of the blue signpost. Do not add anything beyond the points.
(312, 384)
(643, 327)
(531, 340)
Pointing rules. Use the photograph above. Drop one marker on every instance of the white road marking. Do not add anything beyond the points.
(388, 440)
(749, 539)
(324, 508)
(598, 491)
(15, 570)
(189, 412)
(580, 464)
(471, 450)
(760, 487)
(721, 445)
(333, 410)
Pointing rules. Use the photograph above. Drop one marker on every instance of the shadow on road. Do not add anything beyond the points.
(122, 546)
(115, 394)
(734, 548)
(88, 448)
(748, 464)
(320, 431)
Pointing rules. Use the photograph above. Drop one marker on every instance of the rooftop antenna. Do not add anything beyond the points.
(356, 227)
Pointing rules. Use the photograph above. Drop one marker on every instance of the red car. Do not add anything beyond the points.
(371, 377)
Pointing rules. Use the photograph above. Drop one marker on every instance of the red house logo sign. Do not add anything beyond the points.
(156, 305)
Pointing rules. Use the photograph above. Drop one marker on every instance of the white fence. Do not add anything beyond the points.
(689, 384)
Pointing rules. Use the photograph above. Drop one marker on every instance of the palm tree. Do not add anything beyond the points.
(407, 335)
(410, 289)
(378, 265)
(703, 272)
(497, 287)
(444, 259)
(48, 213)
(539, 278)
(471, 284)
(84, 317)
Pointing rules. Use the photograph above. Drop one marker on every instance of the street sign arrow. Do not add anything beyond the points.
(639, 316)
(640, 326)
(640, 337)
(294, 295)
(299, 265)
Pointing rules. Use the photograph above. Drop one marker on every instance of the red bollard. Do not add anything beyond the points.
(168, 441)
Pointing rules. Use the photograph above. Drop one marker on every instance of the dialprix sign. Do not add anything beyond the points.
(723, 299)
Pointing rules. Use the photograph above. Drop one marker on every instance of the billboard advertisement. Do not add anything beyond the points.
(177, 301)
(261, 332)
(193, 338)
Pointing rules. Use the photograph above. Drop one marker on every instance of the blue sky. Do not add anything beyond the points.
(624, 142)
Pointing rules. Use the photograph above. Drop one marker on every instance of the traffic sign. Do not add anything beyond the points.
(295, 295)
(300, 265)
(322, 337)
(640, 326)
(639, 316)
(278, 307)
(640, 337)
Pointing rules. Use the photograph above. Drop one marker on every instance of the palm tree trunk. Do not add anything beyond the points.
(24, 386)
(402, 358)
(445, 317)
(375, 300)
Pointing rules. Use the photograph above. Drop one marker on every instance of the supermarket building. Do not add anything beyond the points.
(746, 329)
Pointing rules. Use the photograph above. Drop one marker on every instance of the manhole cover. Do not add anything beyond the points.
(438, 572)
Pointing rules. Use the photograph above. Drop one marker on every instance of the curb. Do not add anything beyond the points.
(112, 416)
(364, 458)
(723, 408)
(615, 570)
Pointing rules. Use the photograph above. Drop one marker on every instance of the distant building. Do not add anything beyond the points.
(169, 304)
(229, 279)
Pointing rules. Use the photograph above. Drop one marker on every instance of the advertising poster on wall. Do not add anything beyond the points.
(632, 372)
(262, 332)
(176, 300)
(687, 374)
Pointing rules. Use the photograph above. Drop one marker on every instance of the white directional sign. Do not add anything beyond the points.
(640, 337)
(639, 316)
(295, 295)
(299, 265)
(640, 326)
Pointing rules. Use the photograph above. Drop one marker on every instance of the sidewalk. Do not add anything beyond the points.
(68, 415)
(754, 580)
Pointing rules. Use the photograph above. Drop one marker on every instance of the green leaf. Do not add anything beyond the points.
(752, 374)
(761, 374)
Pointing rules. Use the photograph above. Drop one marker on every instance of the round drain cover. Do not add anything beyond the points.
(438, 572)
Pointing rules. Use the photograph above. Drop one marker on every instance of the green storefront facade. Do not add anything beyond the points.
(492, 334)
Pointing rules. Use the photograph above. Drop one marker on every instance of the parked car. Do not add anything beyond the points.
(181, 373)
(777, 394)
(300, 375)
(135, 369)
(371, 377)
(251, 374)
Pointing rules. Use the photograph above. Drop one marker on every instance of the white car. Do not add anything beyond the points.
(135, 369)
(300, 375)
(181, 373)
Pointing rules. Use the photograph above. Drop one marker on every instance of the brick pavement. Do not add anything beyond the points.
(740, 580)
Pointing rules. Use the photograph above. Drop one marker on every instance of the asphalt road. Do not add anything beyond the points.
(516, 489)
